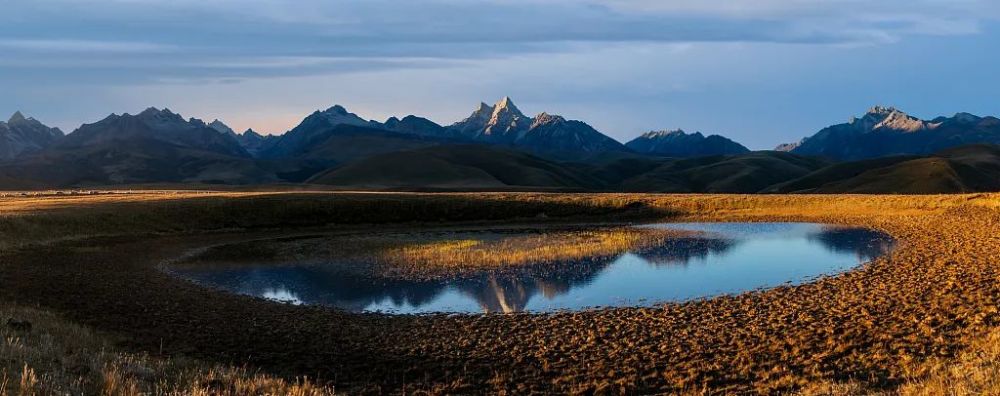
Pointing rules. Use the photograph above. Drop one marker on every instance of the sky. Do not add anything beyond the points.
(761, 72)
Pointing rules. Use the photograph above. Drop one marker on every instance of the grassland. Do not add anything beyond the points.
(55, 356)
(923, 320)
(443, 253)
(523, 249)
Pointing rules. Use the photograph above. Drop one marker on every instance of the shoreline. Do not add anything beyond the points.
(878, 324)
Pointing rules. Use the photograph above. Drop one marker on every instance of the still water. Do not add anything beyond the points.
(719, 258)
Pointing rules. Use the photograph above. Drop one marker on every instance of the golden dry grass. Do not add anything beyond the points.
(58, 357)
(975, 371)
(441, 254)
(524, 249)
(917, 322)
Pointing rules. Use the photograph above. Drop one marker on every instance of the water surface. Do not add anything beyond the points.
(718, 258)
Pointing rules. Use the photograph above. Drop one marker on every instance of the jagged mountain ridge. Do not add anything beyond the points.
(161, 146)
(321, 124)
(154, 146)
(503, 123)
(884, 131)
(677, 143)
(22, 135)
(500, 124)
(158, 125)
(250, 140)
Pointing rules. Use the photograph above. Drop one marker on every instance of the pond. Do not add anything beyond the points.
(710, 259)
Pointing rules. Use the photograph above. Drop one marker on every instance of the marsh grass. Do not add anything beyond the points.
(59, 357)
(523, 249)
(436, 255)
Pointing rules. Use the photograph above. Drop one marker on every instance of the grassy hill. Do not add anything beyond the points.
(745, 173)
(455, 167)
(971, 168)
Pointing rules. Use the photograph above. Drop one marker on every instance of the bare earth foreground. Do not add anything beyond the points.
(84, 271)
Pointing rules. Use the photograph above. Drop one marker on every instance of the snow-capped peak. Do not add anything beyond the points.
(664, 133)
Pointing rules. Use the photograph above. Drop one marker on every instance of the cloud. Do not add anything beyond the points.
(88, 46)
(130, 42)
(428, 28)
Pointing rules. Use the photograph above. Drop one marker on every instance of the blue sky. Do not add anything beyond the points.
(762, 72)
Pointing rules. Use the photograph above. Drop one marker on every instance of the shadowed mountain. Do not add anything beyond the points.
(455, 167)
(20, 136)
(971, 168)
(677, 143)
(336, 136)
(419, 126)
(153, 125)
(155, 146)
(345, 143)
(549, 135)
(253, 142)
(312, 128)
(885, 131)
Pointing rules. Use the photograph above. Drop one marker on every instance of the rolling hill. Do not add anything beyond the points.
(970, 168)
(451, 167)
(746, 173)
(455, 167)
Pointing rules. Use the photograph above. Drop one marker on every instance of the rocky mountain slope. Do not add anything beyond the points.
(22, 135)
(884, 131)
(154, 146)
(498, 147)
(545, 134)
(677, 143)
(154, 125)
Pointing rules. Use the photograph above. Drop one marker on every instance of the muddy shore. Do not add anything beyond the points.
(876, 324)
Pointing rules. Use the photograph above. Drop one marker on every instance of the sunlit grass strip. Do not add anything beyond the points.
(524, 249)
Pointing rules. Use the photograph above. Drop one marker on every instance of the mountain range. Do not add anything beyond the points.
(886, 131)
(21, 136)
(677, 143)
(500, 148)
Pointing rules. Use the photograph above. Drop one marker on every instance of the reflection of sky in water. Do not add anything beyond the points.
(725, 258)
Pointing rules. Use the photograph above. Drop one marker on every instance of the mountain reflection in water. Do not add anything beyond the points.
(720, 258)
